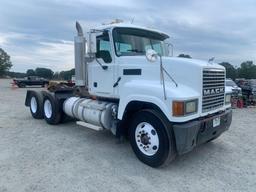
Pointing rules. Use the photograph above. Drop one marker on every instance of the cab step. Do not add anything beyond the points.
(90, 126)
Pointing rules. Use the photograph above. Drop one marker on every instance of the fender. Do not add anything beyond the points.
(124, 102)
(28, 95)
(152, 92)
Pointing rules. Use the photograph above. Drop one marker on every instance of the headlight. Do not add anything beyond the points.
(191, 106)
(182, 108)
(228, 99)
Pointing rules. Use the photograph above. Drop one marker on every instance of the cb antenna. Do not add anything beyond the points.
(132, 20)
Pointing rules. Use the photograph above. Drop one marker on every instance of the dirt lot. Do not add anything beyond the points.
(35, 156)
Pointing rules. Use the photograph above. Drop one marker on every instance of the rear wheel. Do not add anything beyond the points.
(21, 85)
(45, 85)
(36, 105)
(51, 110)
(151, 138)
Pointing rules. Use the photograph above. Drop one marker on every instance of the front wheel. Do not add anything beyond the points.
(151, 138)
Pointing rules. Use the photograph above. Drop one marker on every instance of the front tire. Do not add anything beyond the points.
(51, 110)
(151, 138)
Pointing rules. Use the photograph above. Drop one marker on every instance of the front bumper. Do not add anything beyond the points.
(193, 133)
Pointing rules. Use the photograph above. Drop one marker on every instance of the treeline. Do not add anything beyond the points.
(64, 75)
(43, 72)
(6, 64)
(246, 70)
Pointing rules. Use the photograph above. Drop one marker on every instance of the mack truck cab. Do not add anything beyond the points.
(127, 82)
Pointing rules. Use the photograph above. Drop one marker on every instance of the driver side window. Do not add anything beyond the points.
(104, 48)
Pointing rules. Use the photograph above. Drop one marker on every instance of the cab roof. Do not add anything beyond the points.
(125, 25)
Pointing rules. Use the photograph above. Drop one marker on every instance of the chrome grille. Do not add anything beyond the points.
(213, 89)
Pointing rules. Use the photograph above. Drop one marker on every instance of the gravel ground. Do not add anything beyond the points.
(35, 156)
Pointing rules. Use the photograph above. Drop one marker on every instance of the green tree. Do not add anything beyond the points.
(231, 71)
(247, 70)
(44, 72)
(185, 56)
(66, 75)
(15, 74)
(30, 72)
(5, 62)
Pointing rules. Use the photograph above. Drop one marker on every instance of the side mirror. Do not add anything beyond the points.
(104, 55)
(151, 55)
(92, 44)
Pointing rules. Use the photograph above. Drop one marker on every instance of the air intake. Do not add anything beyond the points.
(213, 89)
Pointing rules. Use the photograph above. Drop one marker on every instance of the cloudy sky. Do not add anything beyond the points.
(39, 33)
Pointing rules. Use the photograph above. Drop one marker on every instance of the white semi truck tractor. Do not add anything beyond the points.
(127, 82)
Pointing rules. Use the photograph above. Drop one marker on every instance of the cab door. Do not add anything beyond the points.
(102, 69)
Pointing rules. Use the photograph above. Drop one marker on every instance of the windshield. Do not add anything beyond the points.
(130, 42)
(230, 83)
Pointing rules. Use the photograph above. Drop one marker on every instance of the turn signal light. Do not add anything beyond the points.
(178, 108)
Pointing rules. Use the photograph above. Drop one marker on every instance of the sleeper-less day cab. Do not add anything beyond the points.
(126, 82)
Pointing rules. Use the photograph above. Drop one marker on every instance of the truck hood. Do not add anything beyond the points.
(184, 71)
(146, 82)
(192, 62)
(188, 71)
(234, 87)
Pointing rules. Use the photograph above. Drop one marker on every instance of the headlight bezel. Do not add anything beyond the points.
(195, 103)
(180, 108)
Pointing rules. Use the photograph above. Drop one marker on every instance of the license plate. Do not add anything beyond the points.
(216, 122)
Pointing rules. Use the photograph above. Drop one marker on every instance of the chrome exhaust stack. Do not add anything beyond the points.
(80, 62)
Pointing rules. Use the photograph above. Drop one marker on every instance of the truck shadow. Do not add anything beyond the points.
(106, 152)
(201, 157)
(104, 142)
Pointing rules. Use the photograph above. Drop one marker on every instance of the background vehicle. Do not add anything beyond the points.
(127, 83)
(248, 90)
(236, 91)
(31, 81)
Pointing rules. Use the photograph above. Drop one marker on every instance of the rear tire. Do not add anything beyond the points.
(21, 85)
(36, 105)
(45, 85)
(152, 138)
(51, 110)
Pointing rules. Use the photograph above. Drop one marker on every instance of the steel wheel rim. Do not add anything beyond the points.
(33, 104)
(147, 139)
(47, 108)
